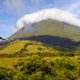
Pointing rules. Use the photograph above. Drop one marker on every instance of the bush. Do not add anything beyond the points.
(37, 68)
(6, 74)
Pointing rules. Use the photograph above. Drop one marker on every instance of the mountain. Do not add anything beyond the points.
(52, 22)
(42, 15)
(51, 26)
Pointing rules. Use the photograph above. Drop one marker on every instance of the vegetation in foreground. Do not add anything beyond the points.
(31, 60)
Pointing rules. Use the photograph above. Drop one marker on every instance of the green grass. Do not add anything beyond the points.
(26, 46)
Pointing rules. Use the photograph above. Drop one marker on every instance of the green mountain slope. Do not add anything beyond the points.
(50, 27)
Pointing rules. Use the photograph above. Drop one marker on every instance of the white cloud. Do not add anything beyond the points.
(15, 6)
(73, 6)
(55, 14)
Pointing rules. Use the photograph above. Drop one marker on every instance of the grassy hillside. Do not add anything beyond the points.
(33, 60)
(18, 50)
(26, 46)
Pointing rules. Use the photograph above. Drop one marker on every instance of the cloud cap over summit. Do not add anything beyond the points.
(51, 13)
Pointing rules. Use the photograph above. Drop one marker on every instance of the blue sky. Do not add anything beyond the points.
(12, 10)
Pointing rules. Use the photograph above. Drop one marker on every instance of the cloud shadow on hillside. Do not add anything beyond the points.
(55, 41)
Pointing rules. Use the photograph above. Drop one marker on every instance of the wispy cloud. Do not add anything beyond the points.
(4, 30)
(15, 6)
(73, 6)
(35, 1)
